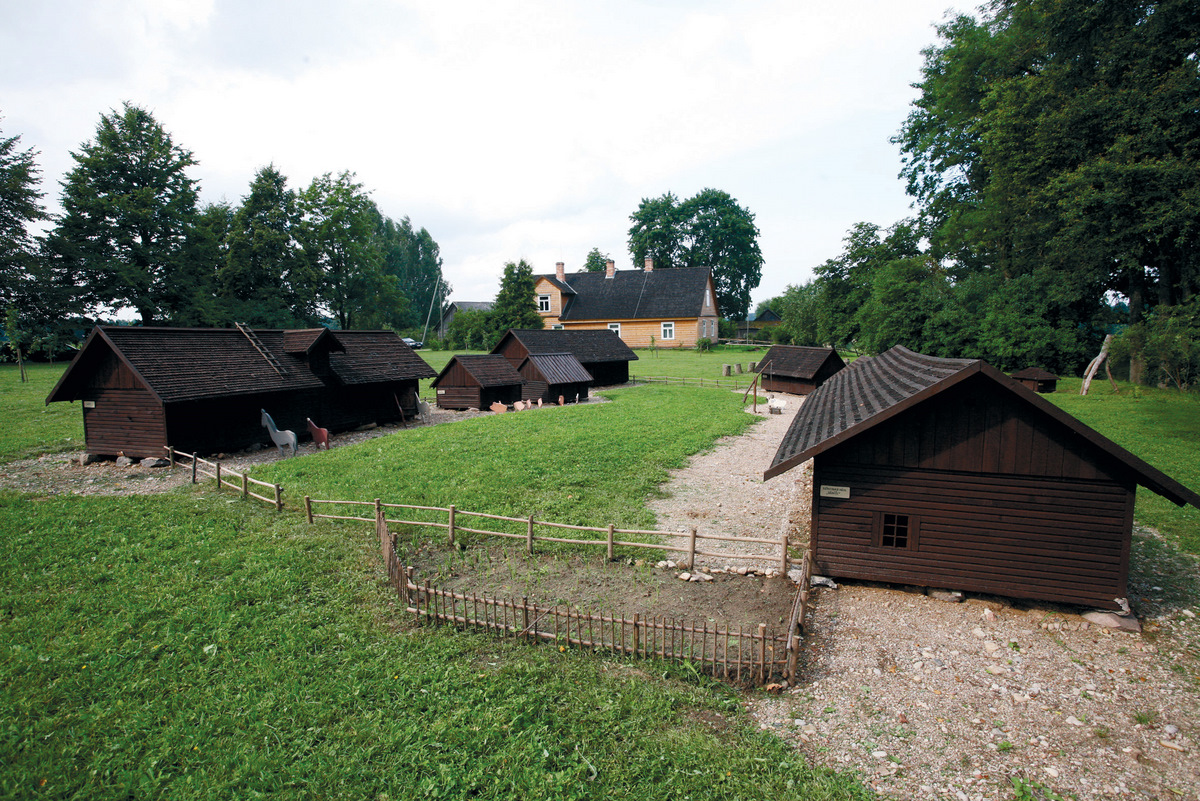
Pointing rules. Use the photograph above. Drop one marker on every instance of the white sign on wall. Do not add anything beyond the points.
(830, 491)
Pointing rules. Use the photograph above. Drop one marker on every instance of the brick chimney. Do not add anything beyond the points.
(610, 268)
(649, 264)
(560, 271)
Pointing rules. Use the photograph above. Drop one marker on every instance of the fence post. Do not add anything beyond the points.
(529, 536)
(278, 498)
(218, 476)
(379, 524)
(610, 542)
(692, 549)
(171, 455)
(308, 509)
(762, 652)
(525, 617)
(245, 484)
(195, 459)
(450, 528)
(783, 555)
(636, 635)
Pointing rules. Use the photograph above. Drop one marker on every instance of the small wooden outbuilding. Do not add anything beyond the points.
(1037, 379)
(796, 369)
(550, 376)
(601, 352)
(202, 389)
(947, 473)
(476, 382)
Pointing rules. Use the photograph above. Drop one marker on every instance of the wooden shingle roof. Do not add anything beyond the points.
(794, 361)
(182, 364)
(589, 347)
(558, 368)
(489, 370)
(873, 390)
(633, 294)
(1034, 374)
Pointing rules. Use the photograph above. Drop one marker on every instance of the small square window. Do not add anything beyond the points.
(543, 303)
(615, 327)
(668, 330)
(895, 531)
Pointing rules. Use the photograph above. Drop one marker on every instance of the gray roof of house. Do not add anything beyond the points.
(589, 347)
(796, 361)
(634, 294)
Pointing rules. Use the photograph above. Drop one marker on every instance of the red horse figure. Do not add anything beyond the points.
(320, 435)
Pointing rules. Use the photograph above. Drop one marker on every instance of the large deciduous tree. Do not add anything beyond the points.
(127, 205)
(707, 230)
(596, 261)
(414, 259)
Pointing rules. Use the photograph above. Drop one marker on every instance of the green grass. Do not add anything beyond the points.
(30, 427)
(688, 363)
(591, 464)
(1161, 426)
(190, 646)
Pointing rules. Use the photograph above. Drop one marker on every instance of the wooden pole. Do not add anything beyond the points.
(635, 634)
(308, 509)
(692, 549)
(195, 460)
(171, 454)
(245, 484)
(529, 536)
(1095, 365)
(762, 652)
(610, 541)
(218, 476)
(278, 498)
(525, 617)
(783, 555)
(450, 527)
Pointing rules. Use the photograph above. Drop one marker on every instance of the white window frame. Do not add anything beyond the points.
(543, 303)
(668, 330)
(556, 327)
(708, 297)
(615, 327)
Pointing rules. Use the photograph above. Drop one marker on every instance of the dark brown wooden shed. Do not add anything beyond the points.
(947, 473)
(796, 369)
(476, 382)
(1037, 379)
(550, 376)
(201, 389)
(602, 353)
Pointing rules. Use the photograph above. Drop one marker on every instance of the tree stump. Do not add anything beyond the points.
(725, 370)
(738, 367)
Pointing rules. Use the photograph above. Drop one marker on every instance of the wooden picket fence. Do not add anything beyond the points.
(452, 524)
(226, 477)
(755, 656)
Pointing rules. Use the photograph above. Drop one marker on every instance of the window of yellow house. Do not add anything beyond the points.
(668, 330)
(543, 303)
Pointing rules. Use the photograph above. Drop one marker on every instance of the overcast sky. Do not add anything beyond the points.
(509, 130)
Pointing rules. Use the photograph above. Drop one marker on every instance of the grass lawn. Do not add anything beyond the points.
(688, 363)
(191, 646)
(30, 426)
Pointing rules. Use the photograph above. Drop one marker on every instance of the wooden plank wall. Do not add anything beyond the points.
(128, 421)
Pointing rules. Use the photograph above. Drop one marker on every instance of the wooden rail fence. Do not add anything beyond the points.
(701, 382)
(754, 656)
(453, 526)
(226, 477)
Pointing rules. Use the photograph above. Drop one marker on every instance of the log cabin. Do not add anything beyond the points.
(201, 390)
(600, 351)
(948, 473)
(671, 308)
(797, 370)
(1037, 379)
(476, 382)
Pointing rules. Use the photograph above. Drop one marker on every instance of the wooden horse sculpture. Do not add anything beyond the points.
(320, 435)
(282, 439)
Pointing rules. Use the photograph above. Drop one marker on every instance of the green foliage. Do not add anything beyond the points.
(516, 303)
(414, 259)
(127, 206)
(704, 344)
(471, 329)
(189, 648)
(20, 207)
(707, 230)
(1167, 342)
(596, 262)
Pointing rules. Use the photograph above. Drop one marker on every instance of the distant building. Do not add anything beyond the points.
(457, 306)
(797, 369)
(601, 352)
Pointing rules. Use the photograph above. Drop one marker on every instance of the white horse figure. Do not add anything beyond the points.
(282, 439)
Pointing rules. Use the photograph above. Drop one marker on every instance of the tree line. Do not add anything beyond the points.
(1053, 156)
(133, 236)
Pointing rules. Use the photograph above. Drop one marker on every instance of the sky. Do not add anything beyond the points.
(508, 130)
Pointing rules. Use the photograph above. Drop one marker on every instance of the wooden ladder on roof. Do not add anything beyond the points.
(248, 332)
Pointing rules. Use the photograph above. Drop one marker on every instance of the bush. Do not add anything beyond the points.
(704, 344)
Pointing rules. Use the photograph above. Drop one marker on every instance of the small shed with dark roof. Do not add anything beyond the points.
(1037, 379)
(798, 370)
(550, 376)
(947, 473)
(601, 352)
(476, 382)
(201, 389)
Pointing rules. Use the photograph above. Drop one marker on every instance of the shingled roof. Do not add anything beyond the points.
(1034, 374)
(633, 294)
(489, 370)
(794, 361)
(559, 368)
(873, 390)
(182, 364)
(589, 347)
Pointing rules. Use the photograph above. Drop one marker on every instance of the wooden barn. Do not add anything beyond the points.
(947, 473)
(201, 389)
(1037, 379)
(476, 382)
(601, 352)
(550, 376)
(797, 370)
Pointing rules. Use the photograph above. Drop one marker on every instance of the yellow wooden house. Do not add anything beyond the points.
(668, 308)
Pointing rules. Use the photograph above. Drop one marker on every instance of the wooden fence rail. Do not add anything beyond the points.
(701, 382)
(226, 477)
(451, 523)
(753, 656)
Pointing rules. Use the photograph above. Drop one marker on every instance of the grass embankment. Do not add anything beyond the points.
(189, 646)
(30, 427)
(1162, 426)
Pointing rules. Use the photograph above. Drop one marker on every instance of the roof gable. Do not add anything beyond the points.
(873, 390)
(589, 347)
(557, 368)
(488, 370)
(1034, 374)
(634, 294)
